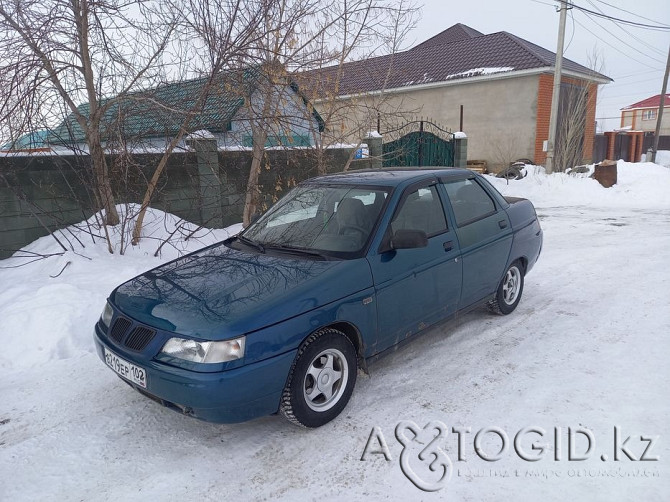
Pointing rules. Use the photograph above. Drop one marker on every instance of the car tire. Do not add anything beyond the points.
(509, 291)
(510, 173)
(321, 379)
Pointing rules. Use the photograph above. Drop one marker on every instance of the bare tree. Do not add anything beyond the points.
(218, 35)
(303, 38)
(507, 149)
(55, 54)
(576, 105)
(79, 61)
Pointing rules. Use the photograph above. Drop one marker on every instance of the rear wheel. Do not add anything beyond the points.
(321, 379)
(509, 291)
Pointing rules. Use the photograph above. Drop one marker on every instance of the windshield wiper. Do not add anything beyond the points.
(297, 251)
(252, 243)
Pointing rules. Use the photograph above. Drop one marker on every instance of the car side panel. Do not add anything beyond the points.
(528, 235)
(485, 248)
(485, 251)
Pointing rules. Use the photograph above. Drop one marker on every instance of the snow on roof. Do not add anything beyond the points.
(475, 72)
(201, 134)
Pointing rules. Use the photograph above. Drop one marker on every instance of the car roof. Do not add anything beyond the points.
(391, 176)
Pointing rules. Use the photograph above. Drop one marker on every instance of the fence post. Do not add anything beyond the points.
(209, 177)
(374, 141)
(460, 150)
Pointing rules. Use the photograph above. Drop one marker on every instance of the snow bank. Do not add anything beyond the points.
(638, 185)
(52, 303)
(662, 158)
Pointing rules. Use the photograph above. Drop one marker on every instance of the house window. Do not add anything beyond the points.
(648, 114)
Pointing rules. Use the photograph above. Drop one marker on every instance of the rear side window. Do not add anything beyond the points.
(469, 201)
(421, 210)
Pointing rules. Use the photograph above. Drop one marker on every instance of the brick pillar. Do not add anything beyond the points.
(611, 138)
(544, 91)
(590, 126)
(632, 146)
(638, 152)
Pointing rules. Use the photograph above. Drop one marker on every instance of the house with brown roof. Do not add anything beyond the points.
(643, 115)
(502, 82)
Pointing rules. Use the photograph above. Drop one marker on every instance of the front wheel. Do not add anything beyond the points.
(321, 379)
(509, 291)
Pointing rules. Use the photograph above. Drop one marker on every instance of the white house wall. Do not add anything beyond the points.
(500, 116)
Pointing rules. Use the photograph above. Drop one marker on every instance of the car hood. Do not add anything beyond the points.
(219, 293)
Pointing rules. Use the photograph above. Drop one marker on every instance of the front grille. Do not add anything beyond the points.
(119, 329)
(139, 338)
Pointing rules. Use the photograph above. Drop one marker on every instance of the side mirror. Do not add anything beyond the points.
(409, 239)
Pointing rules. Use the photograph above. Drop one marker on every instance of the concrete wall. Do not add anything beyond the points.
(40, 193)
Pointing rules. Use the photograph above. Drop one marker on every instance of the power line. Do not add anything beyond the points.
(638, 73)
(622, 41)
(572, 36)
(619, 96)
(635, 82)
(619, 20)
(543, 3)
(627, 11)
(639, 40)
(616, 48)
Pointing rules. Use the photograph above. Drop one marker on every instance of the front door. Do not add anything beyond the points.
(416, 287)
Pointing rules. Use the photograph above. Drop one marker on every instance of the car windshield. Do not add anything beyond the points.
(328, 220)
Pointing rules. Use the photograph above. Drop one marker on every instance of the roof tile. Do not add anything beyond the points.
(652, 102)
(456, 53)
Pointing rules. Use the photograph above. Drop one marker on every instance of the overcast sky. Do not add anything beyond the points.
(634, 57)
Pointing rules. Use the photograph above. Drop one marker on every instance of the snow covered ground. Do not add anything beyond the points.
(586, 350)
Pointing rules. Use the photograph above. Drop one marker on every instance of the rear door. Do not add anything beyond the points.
(484, 236)
(416, 287)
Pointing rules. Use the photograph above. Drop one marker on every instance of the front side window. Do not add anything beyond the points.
(334, 220)
(469, 201)
(421, 210)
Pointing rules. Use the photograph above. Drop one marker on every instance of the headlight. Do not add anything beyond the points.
(107, 313)
(205, 352)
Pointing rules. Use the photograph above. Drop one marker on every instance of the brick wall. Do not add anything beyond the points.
(590, 129)
(545, 90)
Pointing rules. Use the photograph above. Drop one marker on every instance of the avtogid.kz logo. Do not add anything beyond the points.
(425, 463)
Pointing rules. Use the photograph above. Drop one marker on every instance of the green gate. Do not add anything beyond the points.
(430, 145)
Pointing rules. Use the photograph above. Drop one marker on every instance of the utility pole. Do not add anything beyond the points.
(660, 109)
(555, 96)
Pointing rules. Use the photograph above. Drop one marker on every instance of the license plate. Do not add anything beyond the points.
(125, 369)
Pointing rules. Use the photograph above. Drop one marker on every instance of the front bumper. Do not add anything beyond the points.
(230, 396)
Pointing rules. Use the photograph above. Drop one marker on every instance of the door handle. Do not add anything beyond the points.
(448, 246)
(502, 223)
